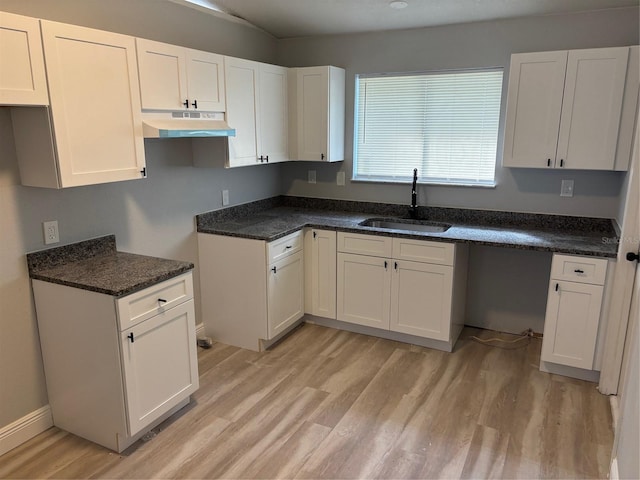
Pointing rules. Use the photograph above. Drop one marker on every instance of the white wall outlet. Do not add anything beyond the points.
(50, 230)
(566, 190)
(225, 197)
(340, 179)
(312, 176)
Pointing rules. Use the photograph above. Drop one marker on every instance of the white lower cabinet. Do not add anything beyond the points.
(252, 290)
(320, 272)
(111, 379)
(572, 319)
(408, 286)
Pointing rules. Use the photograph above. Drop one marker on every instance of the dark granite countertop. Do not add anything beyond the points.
(274, 218)
(97, 266)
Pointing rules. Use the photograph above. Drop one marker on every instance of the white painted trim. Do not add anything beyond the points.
(613, 472)
(25, 428)
(614, 403)
(200, 330)
(620, 304)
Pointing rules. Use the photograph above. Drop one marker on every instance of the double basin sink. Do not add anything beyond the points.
(406, 225)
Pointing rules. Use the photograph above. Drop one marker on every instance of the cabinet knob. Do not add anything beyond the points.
(161, 301)
(195, 104)
(577, 270)
(130, 337)
(288, 247)
(186, 103)
(267, 158)
(315, 234)
(633, 257)
(322, 156)
(274, 270)
(548, 162)
(395, 265)
(385, 264)
(561, 162)
(261, 158)
(557, 286)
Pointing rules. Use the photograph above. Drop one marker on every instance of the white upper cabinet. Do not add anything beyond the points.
(317, 130)
(243, 99)
(94, 132)
(274, 113)
(563, 108)
(178, 78)
(22, 74)
(257, 95)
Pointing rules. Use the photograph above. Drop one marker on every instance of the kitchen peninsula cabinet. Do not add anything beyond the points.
(22, 75)
(414, 287)
(318, 109)
(115, 367)
(93, 130)
(252, 290)
(563, 109)
(179, 78)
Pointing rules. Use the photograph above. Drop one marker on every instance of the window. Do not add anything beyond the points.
(445, 124)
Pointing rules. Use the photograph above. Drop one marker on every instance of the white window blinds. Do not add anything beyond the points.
(443, 124)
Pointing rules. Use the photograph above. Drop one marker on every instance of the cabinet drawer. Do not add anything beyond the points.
(579, 269)
(284, 246)
(374, 245)
(423, 251)
(146, 303)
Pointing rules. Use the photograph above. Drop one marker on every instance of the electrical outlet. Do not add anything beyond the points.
(50, 230)
(225, 197)
(566, 190)
(312, 176)
(340, 179)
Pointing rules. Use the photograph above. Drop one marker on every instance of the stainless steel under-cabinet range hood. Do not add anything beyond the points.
(185, 125)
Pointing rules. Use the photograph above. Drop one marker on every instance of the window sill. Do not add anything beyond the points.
(409, 182)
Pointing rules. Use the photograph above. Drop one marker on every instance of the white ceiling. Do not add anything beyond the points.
(295, 18)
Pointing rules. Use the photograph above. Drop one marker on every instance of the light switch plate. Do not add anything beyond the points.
(566, 190)
(225, 197)
(312, 176)
(340, 179)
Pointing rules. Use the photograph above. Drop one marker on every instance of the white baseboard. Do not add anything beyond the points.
(613, 472)
(25, 428)
(200, 330)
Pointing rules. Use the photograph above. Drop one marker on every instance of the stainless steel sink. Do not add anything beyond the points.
(405, 224)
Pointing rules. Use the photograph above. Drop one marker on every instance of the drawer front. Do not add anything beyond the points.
(376, 246)
(146, 303)
(439, 253)
(579, 269)
(284, 246)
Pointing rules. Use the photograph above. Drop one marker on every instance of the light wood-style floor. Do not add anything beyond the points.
(332, 404)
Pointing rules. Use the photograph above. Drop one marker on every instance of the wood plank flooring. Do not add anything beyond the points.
(327, 404)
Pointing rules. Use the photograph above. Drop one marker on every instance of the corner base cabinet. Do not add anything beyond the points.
(252, 290)
(117, 367)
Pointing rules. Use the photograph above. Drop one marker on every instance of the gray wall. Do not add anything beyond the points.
(507, 288)
(154, 216)
(484, 44)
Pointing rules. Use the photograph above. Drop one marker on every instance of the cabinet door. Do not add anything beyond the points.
(363, 290)
(22, 77)
(534, 101)
(421, 299)
(312, 113)
(571, 324)
(205, 77)
(274, 113)
(285, 287)
(95, 104)
(320, 278)
(591, 108)
(160, 366)
(163, 75)
(241, 80)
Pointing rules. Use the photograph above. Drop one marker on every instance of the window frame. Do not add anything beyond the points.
(421, 180)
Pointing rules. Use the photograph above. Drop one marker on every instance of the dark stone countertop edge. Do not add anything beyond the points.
(118, 293)
(468, 226)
